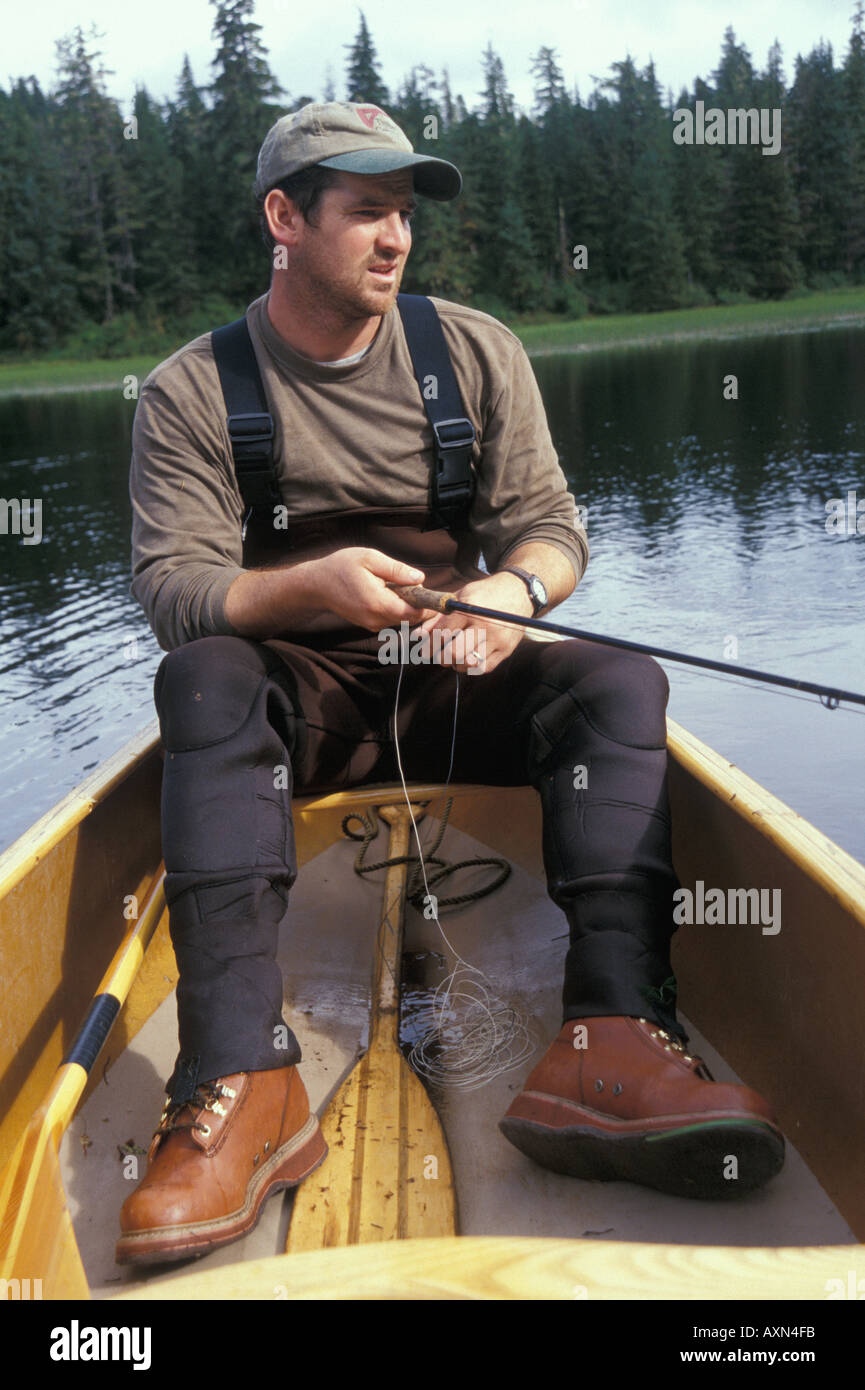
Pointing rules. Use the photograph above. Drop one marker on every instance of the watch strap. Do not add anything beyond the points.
(527, 580)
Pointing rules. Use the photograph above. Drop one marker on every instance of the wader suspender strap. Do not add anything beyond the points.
(250, 424)
(452, 484)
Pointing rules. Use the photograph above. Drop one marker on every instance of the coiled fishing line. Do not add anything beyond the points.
(468, 1033)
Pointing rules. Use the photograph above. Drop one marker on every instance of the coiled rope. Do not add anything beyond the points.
(417, 885)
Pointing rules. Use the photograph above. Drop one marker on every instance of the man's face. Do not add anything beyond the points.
(354, 251)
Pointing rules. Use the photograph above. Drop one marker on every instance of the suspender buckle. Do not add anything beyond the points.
(453, 484)
(251, 437)
(454, 434)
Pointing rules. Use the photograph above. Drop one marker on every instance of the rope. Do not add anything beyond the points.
(417, 885)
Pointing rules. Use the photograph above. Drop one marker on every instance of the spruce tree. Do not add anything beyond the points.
(567, 190)
(163, 238)
(186, 123)
(699, 201)
(853, 99)
(363, 78)
(89, 131)
(549, 89)
(37, 291)
(817, 143)
(643, 231)
(242, 93)
(734, 88)
(507, 269)
(769, 221)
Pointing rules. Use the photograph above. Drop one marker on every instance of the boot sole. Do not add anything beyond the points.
(685, 1158)
(286, 1168)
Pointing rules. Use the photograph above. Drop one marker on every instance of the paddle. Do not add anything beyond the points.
(37, 1241)
(419, 597)
(388, 1174)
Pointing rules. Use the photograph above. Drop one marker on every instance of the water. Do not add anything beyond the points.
(76, 655)
(707, 520)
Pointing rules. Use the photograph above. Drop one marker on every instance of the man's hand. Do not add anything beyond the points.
(350, 583)
(506, 592)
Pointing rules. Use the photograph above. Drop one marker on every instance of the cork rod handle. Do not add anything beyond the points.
(419, 597)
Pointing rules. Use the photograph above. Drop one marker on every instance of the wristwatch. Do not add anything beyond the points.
(537, 591)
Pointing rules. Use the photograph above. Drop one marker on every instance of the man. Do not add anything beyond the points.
(273, 664)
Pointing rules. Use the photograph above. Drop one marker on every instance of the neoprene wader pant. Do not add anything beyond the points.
(232, 710)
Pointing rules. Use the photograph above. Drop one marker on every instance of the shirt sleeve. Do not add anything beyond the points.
(522, 492)
(187, 548)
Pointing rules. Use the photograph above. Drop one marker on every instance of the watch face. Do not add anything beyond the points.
(539, 593)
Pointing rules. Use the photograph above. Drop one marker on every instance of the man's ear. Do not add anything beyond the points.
(283, 218)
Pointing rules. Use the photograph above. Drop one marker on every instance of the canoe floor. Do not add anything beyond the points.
(518, 938)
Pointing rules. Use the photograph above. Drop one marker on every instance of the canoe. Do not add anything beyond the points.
(82, 925)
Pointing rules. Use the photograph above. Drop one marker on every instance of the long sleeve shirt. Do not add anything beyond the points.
(349, 436)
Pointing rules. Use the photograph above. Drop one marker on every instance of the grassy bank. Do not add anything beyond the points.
(826, 309)
(822, 310)
(47, 376)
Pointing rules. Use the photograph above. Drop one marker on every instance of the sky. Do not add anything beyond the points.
(144, 44)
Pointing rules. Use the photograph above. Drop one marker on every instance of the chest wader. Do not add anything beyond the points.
(548, 709)
(438, 537)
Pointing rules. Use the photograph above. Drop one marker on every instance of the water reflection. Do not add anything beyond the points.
(73, 688)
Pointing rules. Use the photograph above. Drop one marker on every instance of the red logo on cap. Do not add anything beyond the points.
(368, 114)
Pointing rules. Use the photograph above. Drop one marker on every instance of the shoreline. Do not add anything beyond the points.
(703, 335)
(844, 308)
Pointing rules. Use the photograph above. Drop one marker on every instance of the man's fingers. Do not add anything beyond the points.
(451, 620)
(392, 571)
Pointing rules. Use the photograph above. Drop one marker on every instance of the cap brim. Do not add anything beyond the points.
(433, 178)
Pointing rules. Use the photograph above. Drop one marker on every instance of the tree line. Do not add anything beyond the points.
(122, 226)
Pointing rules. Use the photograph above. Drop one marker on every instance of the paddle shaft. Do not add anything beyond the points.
(384, 1031)
(419, 597)
(388, 1175)
(36, 1233)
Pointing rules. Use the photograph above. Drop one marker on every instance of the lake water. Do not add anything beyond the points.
(707, 520)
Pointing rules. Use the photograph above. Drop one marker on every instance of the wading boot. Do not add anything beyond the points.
(621, 1099)
(215, 1160)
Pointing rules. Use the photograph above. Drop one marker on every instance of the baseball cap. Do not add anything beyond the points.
(357, 138)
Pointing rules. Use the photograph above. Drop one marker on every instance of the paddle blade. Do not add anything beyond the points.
(37, 1243)
(388, 1175)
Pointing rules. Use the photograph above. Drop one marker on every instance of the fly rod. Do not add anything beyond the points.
(419, 597)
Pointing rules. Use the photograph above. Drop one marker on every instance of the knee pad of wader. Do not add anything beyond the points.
(205, 690)
(623, 699)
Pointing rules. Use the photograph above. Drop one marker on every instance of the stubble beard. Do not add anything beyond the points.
(341, 301)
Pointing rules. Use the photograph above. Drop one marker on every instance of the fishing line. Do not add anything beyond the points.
(468, 1033)
(741, 684)
(830, 697)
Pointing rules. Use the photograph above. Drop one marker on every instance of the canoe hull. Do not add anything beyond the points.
(782, 1006)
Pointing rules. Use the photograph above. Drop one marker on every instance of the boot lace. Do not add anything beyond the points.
(672, 1044)
(208, 1096)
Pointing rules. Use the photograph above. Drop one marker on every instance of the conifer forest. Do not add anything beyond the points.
(624, 199)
